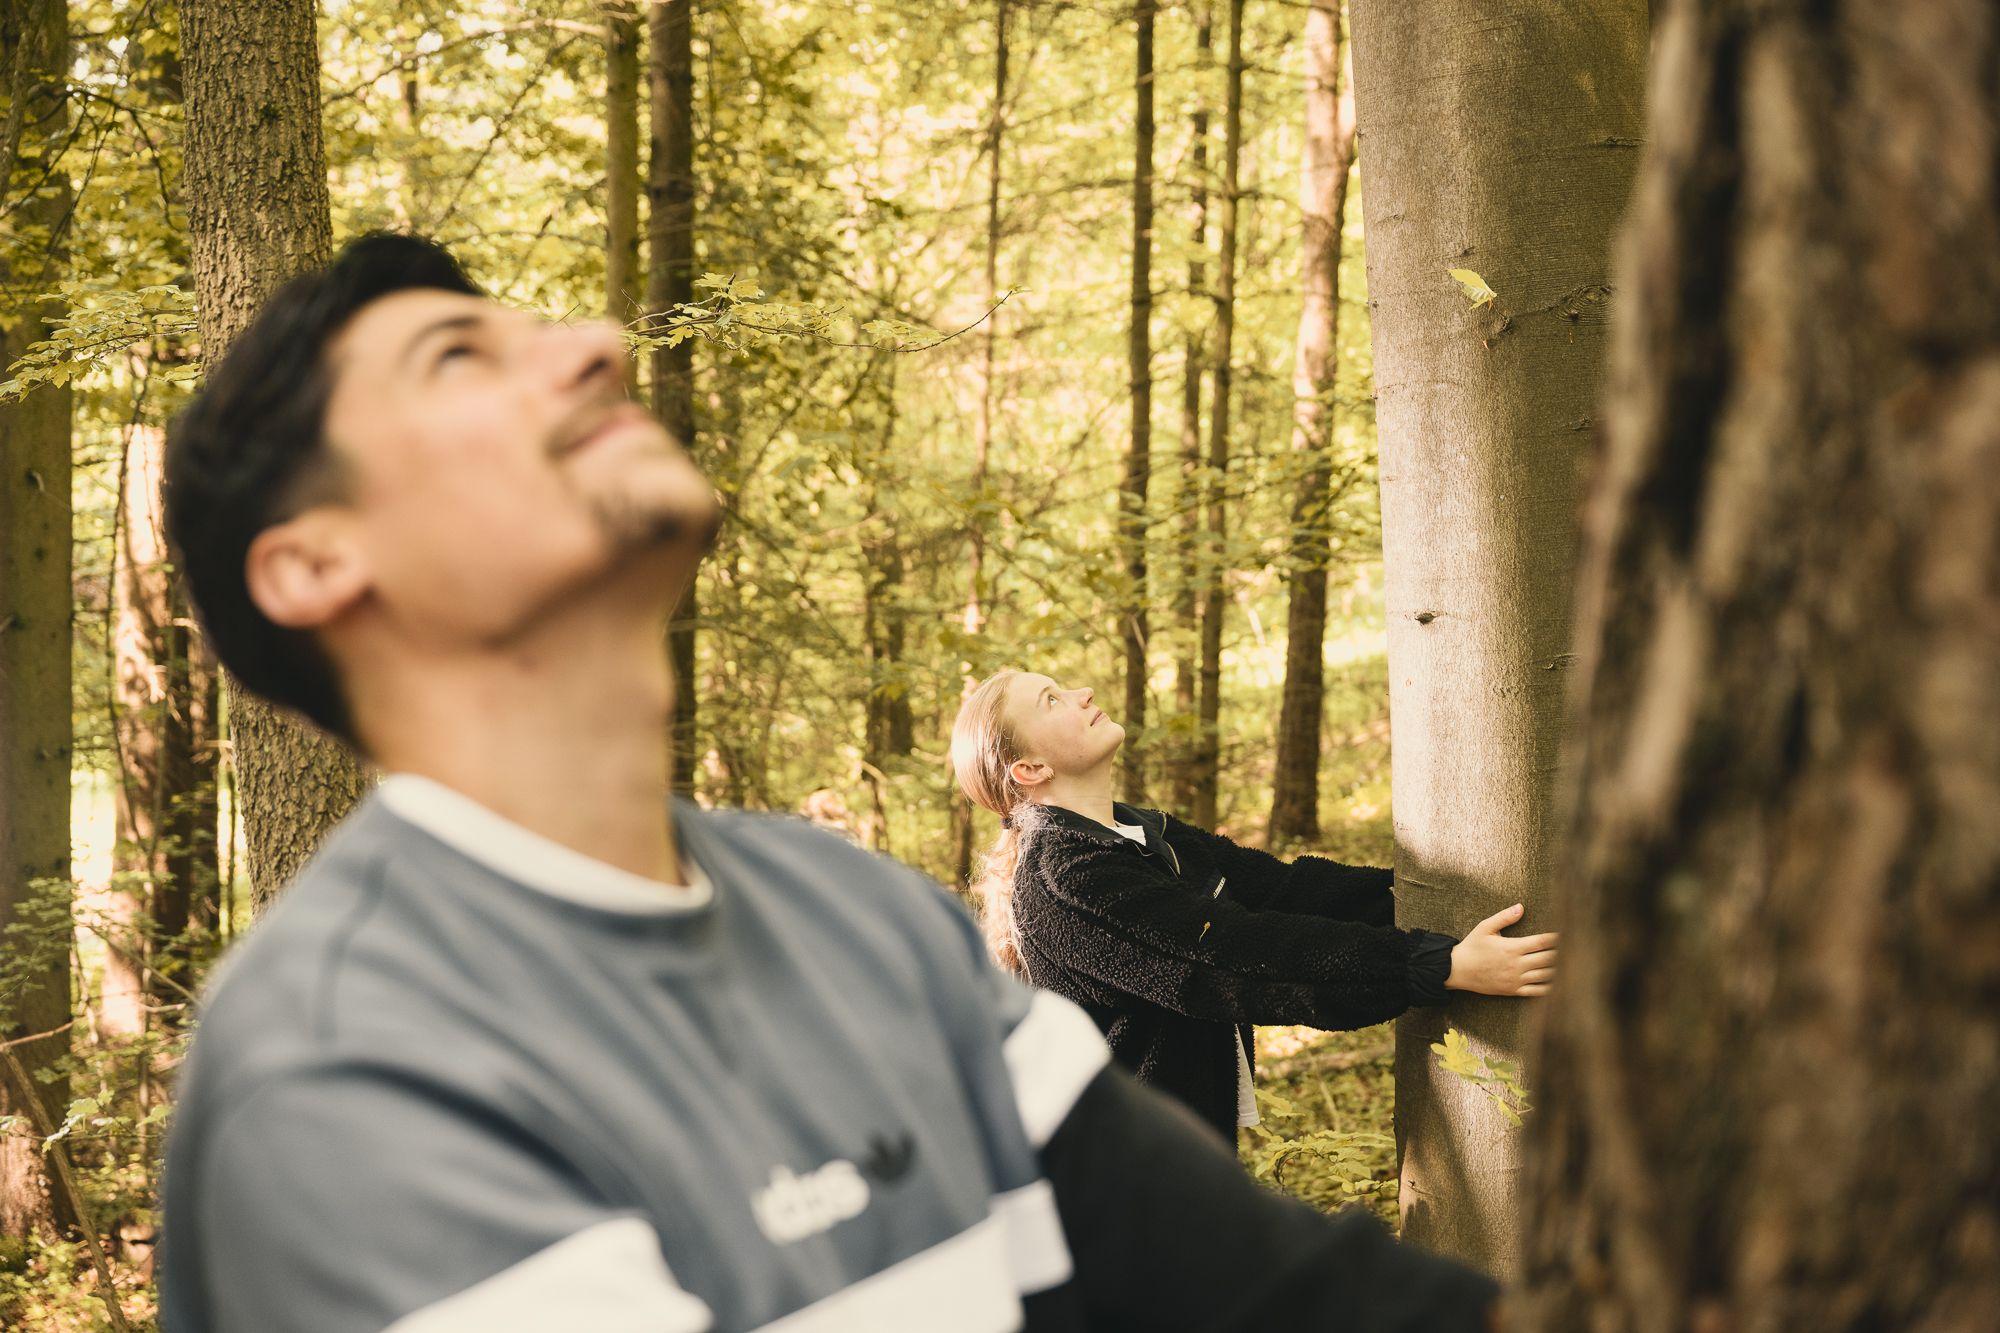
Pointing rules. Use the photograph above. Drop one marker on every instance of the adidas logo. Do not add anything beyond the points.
(795, 1206)
(889, 1160)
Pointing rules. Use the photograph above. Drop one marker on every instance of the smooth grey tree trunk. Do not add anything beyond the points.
(1499, 139)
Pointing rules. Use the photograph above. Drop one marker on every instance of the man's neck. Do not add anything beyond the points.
(1087, 794)
(565, 732)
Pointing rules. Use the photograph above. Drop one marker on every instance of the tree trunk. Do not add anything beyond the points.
(670, 282)
(974, 618)
(155, 738)
(1187, 616)
(1501, 143)
(257, 214)
(1134, 625)
(164, 687)
(622, 291)
(1329, 153)
(982, 427)
(1772, 1066)
(890, 730)
(1208, 748)
(35, 650)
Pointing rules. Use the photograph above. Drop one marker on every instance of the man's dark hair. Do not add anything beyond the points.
(249, 452)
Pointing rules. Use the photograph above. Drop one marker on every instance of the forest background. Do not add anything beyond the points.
(1036, 333)
(912, 377)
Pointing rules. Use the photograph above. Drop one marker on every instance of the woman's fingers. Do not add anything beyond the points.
(1530, 943)
(1499, 921)
(1541, 988)
(1539, 974)
(1539, 958)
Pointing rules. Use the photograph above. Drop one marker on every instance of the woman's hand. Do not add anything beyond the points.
(1489, 963)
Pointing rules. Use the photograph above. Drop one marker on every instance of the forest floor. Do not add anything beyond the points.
(1327, 1100)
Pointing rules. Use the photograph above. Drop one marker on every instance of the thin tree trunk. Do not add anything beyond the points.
(670, 282)
(890, 726)
(155, 737)
(1187, 615)
(34, 610)
(1499, 142)
(1329, 153)
(258, 214)
(1139, 458)
(1772, 1064)
(982, 429)
(623, 292)
(974, 618)
(1207, 766)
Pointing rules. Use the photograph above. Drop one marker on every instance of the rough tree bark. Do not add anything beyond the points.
(1329, 154)
(1133, 625)
(670, 282)
(257, 209)
(1771, 1070)
(1187, 614)
(1501, 141)
(34, 596)
(1208, 743)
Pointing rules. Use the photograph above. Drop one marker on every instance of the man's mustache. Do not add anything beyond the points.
(586, 419)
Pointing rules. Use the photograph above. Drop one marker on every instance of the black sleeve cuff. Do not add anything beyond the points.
(1430, 964)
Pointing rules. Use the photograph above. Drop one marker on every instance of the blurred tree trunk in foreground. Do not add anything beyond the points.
(1771, 1071)
(258, 214)
(1500, 142)
(1329, 154)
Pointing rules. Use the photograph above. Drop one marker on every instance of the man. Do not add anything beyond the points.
(529, 1047)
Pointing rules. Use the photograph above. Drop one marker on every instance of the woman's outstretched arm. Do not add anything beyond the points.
(1129, 923)
(1307, 886)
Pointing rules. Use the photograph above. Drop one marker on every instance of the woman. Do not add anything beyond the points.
(1176, 939)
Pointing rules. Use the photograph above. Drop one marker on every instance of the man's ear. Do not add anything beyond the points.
(1029, 773)
(303, 573)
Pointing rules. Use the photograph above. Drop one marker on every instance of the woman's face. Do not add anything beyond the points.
(1055, 728)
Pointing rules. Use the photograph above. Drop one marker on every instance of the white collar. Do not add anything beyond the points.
(1136, 832)
(529, 858)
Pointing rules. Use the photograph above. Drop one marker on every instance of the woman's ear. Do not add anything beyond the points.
(304, 572)
(1029, 773)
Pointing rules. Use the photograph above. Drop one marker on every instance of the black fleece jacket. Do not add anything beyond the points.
(1178, 947)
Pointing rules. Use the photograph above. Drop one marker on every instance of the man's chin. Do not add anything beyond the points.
(688, 523)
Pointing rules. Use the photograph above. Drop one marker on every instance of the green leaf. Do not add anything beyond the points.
(1474, 286)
